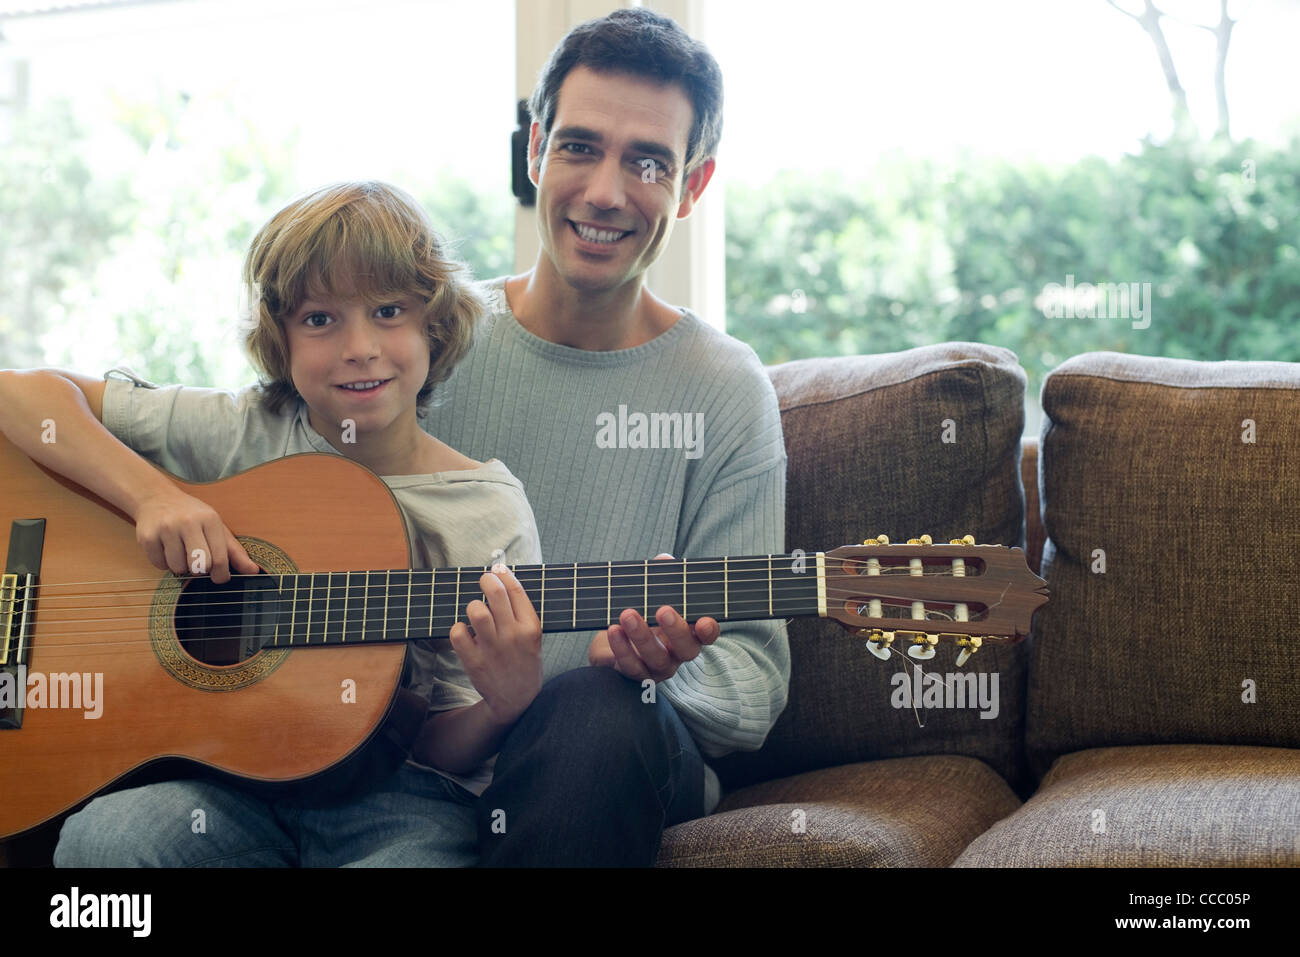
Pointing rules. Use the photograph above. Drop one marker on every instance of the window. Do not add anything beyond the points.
(145, 143)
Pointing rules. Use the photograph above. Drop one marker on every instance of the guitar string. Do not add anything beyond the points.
(756, 593)
(48, 633)
(745, 592)
(759, 563)
(327, 592)
(605, 584)
(67, 649)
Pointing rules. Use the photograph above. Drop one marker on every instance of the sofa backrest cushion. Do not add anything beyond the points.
(922, 441)
(1183, 478)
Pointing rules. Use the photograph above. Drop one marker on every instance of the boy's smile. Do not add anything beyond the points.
(359, 367)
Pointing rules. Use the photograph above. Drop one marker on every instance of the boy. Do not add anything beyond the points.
(356, 316)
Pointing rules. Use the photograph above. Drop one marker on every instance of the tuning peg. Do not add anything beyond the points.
(878, 540)
(923, 540)
(969, 647)
(878, 642)
(964, 540)
(922, 647)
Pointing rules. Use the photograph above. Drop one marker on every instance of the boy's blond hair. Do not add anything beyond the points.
(363, 241)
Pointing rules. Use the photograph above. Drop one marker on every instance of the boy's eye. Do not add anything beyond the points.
(389, 312)
(309, 320)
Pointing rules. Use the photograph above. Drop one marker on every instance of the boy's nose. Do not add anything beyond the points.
(360, 341)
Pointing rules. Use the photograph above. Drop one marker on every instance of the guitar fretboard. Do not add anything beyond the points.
(328, 608)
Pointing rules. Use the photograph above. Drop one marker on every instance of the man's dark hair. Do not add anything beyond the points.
(641, 43)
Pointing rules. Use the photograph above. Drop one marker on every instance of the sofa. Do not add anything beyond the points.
(1149, 719)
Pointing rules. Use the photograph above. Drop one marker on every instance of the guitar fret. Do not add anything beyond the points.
(720, 588)
(365, 595)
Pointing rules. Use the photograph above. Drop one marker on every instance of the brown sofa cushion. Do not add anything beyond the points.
(1143, 458)
(1177, 805)
(866, 456)
(904, 812)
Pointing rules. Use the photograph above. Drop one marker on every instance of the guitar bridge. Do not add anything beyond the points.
(17, 613)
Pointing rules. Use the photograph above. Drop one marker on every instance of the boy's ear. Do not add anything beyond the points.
(534, 153)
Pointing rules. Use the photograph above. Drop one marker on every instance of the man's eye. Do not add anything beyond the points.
(580, 148)
(389, 312)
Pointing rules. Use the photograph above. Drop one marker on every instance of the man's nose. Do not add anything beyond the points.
(605, 188)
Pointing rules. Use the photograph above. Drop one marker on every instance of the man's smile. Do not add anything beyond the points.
(597, 234)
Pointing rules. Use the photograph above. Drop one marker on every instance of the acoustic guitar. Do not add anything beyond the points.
(108, 664)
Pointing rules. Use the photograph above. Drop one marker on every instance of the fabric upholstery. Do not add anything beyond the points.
(901, 812)
(865, 441)
(1188, 635)
(1160, 806)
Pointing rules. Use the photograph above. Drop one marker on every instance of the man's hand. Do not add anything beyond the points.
(637, 651)
(503, 656)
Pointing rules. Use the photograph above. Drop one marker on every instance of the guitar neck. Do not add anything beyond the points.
(401, 604)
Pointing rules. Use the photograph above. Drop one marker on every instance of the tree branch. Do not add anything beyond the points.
(1149, 19)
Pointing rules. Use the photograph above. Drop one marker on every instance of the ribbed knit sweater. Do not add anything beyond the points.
(552, 412)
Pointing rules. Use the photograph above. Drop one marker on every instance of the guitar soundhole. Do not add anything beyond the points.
(226, 624)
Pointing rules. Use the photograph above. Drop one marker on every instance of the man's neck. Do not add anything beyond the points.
(602, 321)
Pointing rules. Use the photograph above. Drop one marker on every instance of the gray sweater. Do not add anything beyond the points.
(586, 433)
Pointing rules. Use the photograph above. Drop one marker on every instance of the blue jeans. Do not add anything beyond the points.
(416, 818)
(589, 777)
(600, 794)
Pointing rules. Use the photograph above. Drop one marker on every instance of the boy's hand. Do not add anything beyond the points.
(637, 651)
(503, 657)
(181, 533)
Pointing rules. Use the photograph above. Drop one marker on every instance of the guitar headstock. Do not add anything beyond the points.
(922, 593)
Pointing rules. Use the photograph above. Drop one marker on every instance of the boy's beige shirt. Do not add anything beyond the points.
(452, 518)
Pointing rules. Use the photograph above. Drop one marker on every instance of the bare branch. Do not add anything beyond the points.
(1149, 19)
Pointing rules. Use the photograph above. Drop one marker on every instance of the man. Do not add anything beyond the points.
(626, 121)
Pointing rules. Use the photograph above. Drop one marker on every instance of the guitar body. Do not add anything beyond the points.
(103, 609)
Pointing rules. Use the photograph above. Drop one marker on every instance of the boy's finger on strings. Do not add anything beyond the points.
(481, 626)
(520, 604)
(239, 557)
(209, 557)
(174, 553)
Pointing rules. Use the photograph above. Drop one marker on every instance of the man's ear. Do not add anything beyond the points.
(695, 184)
(534, 153)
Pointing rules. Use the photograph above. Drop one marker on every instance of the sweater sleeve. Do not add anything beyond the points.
(733, 692)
